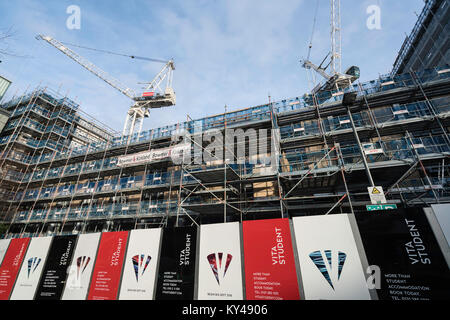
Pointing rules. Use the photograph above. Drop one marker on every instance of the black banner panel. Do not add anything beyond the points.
(176, 273)
(51, 284)
(402, 245)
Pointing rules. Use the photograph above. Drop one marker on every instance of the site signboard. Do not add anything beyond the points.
(11, 264)
(402, 244)
(4, 243)
(176, 275)
(54, 276)
(270, 272)
(175, 153)
(330, 263)
(376, 195)
(377, 207)
(220, 269)
(80, 270)
(31, 270)
(108, 266)
(139, 274)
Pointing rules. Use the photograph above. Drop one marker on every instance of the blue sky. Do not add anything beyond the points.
(226, 52)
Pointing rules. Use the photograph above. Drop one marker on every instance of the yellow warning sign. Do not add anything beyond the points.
(376, 195)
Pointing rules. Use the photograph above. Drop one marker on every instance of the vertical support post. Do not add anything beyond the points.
(347, 101)
(408, 136)
(225, 167)
(430, 106)
(339, 153)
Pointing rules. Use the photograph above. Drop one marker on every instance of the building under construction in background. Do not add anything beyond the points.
(428, 45)
(60, 173)
(64, 173)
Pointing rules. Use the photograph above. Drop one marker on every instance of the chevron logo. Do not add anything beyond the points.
(324, 262)
(219, 270)
(82, 263)
(139, 265)
(33, 263)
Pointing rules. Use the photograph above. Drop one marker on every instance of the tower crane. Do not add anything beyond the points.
(155, 95)
(334, 79)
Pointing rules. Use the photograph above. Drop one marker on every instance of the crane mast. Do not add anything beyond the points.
(153, 96)
(334, 79)
(336, 40)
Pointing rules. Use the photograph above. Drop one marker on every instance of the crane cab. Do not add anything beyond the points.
(354, 72)
(150, 99)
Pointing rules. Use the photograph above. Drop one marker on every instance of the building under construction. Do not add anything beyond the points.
(64, 174)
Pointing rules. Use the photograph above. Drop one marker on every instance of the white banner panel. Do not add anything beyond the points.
(220, 273)
(3, 247)
(330, 265)
(175, 153)
(139, 274)
(31, 270)
(442, 213)
(80, 271)
(442, 231)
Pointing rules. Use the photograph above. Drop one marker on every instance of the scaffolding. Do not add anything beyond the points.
(321, 156)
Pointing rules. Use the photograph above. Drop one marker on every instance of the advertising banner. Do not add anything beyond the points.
(269, 260)
(439, 219)
(54, 275)
(139, 274)
(3, 247)
(175, 153)
(31, 270)
(442, 214)
(220, 269)
(108, 266)
(80, 270)
(11, 264)
(402, 244)
(176, 273)
(330, 265)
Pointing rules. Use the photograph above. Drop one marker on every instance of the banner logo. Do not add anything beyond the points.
(326, 268)
(220, 270)
(82, 263)
(33, 264)
(139, 268)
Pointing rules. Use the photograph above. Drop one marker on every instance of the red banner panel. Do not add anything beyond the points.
(269, 260)
(11, 265)
(108, 266)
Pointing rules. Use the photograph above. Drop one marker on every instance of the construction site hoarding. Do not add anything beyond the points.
(177, 265)
(175, 153)
(108, 266)
(55, 273)
(31, 270)
(139, 274)
(220, 269)
(269, 261)
(4, 243)
(330, 264)
(442, 214)
(439, 219)
(402, 245)
(11, 264)
(80, 270)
